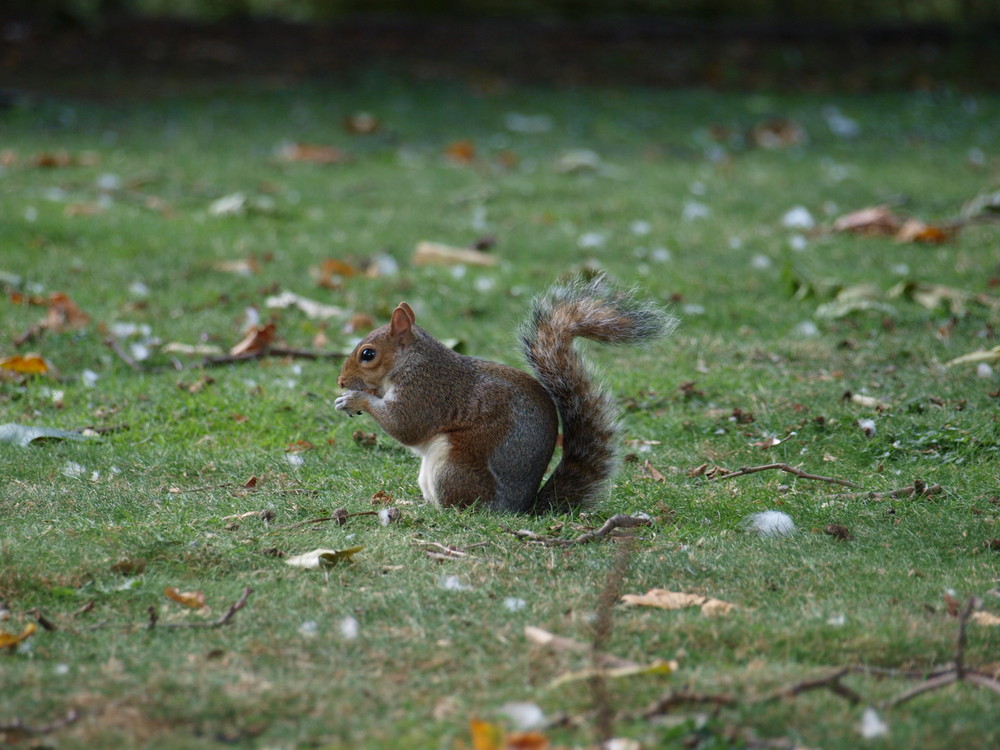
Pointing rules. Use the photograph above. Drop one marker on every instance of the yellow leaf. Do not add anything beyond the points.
(485, 736)
(190, 599)
(659, 667)
(26, 364)
(9, 640)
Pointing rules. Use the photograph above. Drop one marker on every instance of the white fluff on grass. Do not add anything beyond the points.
(524, 716)
(771, 523)
(871, 725)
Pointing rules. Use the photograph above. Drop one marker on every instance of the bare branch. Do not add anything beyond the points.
(743, 471)
(831, 682)
(17, 726)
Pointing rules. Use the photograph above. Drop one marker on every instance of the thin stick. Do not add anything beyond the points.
(681, 698)
(224, 620)
(743, 471)
(18, 725)
(620, 521)
(831, 682)
(932, 684)
(269, 351)
(113, 345)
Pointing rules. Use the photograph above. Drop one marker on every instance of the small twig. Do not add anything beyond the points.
(924, 687)
(917, 489)
(448, 551)
(832, 682)
(268, 351)
(958, 672)
(18, 725)
(42, 620)
(224, 620)
(113, 344)
(670, 701)
(743, 471)
(620, 521)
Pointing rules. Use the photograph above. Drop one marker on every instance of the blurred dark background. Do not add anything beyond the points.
(808, 45)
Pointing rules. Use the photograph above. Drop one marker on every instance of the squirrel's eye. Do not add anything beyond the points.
(367, 354)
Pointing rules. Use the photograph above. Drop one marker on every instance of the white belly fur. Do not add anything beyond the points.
(433, 455)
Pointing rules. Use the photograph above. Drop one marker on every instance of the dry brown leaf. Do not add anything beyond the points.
(874, 220)
(648, 471)
(313, 153)
(461, 152)
(777, 132)
(64, 314)
(332, 272)
(299, 446)
(914, 230)
(664, 599)
(25, 364)
(189, 599)
(256, 340)
(435, 253)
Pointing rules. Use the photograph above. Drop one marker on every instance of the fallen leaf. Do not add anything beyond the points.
(435, 253)
(648, 471)
(332, 272)
(868, 402)
(985, 618)
(10, 640)
(767, 443)
(241, 266)
(298, 446)
(485, 735)
(64, 314)
(665, 599)
(541, 637)
(312, 153)
(461, 152)
(23, 435)
(875, 220)
(26, 364)
(313, 310)
(322, 558)
(189, 599)
(777, 132)
(914, 230)
(660, 667)
(256, 340)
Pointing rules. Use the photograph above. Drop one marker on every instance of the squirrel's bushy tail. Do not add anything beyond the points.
(588, 414)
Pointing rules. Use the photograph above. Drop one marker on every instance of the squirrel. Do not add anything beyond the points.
(486, 432)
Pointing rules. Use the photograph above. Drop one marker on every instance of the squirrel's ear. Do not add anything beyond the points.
(408, 310)
(401, 322)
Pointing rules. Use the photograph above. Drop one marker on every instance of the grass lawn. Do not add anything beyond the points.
(172, 220)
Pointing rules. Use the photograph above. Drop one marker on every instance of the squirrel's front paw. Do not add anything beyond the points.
(353, 402)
